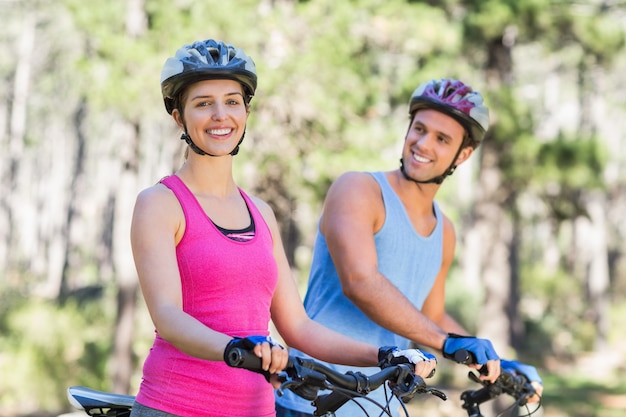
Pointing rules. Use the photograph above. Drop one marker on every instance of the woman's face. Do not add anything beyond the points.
(215, 115)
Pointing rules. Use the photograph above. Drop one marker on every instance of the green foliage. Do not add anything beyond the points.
(46, 348)
(558, 169)
(564, 168)
(572, 162)
(512, 139)
(489, 19)
(555, 310)
(339, 96)
(121, 70)
(573, 394)
(112, 71)
(601, 35)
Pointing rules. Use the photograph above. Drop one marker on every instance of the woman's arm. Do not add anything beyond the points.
(157, 225)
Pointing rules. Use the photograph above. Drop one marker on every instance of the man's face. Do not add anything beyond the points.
(432, 141)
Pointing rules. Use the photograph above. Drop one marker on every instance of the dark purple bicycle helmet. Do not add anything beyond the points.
(457, 100)
(206, 60)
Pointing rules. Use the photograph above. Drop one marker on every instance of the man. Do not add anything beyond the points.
(384, 247)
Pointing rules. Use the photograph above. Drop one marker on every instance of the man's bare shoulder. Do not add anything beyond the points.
(354, 181)
(355, 192)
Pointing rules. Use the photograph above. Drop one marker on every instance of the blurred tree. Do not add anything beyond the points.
(512, 158)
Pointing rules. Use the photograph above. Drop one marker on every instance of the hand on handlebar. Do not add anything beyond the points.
(272, 356)
(424, 362)
(528, 371)
(306, 377)
(481, 353)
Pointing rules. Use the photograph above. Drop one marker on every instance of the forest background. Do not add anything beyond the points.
(541, 255)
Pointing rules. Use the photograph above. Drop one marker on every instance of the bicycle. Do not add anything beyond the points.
(307, 377)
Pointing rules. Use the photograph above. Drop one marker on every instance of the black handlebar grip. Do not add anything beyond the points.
(464, 356)
(241, 358)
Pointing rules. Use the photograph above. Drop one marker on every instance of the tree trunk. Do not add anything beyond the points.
(594, 245)
(495, 230)
(516, 324)
(24, 51)
(73, 209)
(125, 191)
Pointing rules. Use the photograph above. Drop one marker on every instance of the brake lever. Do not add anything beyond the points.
(518, 386)
(409, 384)
(286, 385)
(475, 378)
(437, 393)
(303, 381)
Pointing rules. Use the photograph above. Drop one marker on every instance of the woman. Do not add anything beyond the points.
(210, 260)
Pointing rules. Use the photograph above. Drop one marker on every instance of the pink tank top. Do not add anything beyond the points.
(228, 286)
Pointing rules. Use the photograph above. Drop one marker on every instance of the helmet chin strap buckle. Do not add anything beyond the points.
(192, 145)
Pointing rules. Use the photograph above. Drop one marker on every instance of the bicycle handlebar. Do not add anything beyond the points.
(515, 385)
(306, 377)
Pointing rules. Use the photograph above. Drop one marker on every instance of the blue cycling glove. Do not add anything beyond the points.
(515, 367)
(481, 350)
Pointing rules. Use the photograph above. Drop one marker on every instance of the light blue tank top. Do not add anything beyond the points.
(410, 261)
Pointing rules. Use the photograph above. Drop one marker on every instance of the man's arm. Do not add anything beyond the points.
(353, 212)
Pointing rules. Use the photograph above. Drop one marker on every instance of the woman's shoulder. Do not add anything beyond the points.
(155, 192)
(262, 205)
(156, 196)
(266, 212)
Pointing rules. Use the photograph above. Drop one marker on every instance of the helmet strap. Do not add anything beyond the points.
(185, 136)
(192, 145)
(438, 179)
(236, 150)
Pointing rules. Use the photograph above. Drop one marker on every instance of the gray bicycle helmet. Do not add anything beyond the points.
(206, 60)
(457, 100)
